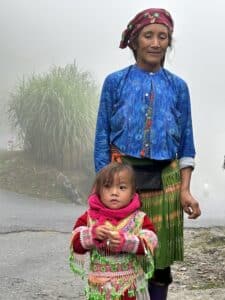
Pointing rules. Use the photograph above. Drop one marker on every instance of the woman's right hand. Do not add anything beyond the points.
(190, 205)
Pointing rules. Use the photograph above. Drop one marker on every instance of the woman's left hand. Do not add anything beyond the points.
(190, 205)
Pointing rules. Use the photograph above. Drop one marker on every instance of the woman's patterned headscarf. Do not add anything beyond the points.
(146, 17)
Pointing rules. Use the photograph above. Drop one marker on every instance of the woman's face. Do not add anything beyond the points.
(151, 45)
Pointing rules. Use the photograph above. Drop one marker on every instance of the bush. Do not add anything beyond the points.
(56, 114)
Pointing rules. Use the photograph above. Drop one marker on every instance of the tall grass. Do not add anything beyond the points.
(55, 114)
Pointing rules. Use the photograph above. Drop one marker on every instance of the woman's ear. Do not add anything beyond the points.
(133, 45)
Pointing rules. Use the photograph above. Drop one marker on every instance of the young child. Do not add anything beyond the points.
(118, 235)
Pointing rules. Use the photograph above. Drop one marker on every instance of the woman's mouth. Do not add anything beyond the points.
(154, 53)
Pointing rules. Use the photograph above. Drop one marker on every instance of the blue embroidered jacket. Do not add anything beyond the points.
(125, 106)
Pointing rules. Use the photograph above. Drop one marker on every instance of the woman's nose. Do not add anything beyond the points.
(155, 42)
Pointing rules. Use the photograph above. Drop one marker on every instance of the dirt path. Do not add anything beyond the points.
(202, 274)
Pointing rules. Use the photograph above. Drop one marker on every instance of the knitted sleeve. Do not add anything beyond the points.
(81, 240)
(148, 236)
(145, 239)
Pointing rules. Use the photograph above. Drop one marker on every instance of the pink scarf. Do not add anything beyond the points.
(98, 211)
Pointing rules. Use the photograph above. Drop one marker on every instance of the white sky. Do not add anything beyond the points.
(36, 34)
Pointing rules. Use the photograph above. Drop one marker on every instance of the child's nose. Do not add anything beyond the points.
(114, 190)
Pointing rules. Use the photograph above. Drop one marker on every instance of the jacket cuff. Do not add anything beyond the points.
(86, 238)
(150, 239)
(185, 162)
(131, 243)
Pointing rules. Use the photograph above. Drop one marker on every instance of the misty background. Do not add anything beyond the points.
(37, 34)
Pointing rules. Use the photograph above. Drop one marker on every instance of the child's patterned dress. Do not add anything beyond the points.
(122, 275)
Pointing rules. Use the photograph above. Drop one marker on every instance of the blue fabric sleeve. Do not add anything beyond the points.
(186, 148)
(102, 154)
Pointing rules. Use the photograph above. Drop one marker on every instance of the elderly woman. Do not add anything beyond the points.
(144, 119)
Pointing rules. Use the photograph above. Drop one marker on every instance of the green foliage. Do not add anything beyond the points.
(56, 114)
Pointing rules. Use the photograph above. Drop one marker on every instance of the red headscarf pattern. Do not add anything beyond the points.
(144, 18)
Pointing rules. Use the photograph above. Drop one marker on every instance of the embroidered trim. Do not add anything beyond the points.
(131, 243)
(150, 238)
(86, 237)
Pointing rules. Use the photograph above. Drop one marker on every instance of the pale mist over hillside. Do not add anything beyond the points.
(38, 34)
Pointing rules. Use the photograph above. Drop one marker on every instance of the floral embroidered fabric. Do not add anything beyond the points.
(111, 274)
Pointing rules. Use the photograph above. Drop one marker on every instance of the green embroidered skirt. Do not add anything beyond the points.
(164, 209)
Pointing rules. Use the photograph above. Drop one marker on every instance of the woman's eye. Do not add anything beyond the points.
(163, 36)
(148, 36)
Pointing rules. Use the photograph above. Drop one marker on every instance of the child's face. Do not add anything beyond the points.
(120, 193)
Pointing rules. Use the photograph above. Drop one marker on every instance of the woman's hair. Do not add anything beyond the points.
(106, 175)
(135, 42)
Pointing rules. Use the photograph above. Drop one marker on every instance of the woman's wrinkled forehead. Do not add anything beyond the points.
(144, 18)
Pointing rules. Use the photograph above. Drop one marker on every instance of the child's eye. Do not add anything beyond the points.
(123, 187)
(106, 185)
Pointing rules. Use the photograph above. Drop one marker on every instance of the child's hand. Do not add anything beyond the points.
(101, 232)
(114, 240)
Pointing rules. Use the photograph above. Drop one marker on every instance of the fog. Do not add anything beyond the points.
(36, 34)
